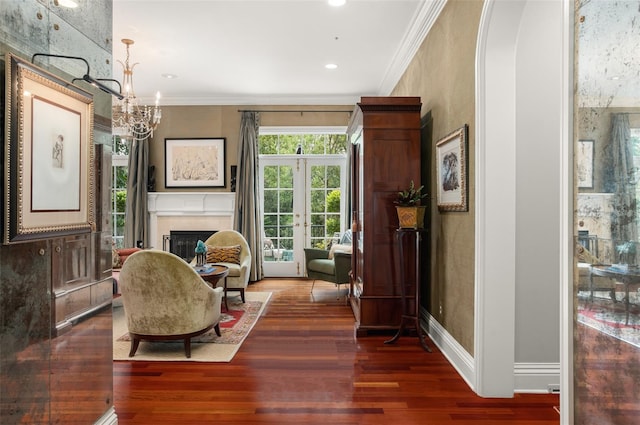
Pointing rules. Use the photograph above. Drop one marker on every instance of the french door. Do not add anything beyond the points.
(303, 204)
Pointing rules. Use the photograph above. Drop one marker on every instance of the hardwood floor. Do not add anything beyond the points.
(302, 364)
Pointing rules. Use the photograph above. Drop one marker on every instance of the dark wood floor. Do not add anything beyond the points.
(302, 364)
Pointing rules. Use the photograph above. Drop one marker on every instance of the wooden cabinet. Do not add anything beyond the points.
(385, 137)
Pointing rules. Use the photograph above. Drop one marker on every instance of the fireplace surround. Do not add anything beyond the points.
(195, 211)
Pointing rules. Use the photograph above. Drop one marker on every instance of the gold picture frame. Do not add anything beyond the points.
(48, 155)
(452, 171)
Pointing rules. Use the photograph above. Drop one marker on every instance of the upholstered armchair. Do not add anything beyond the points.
(331, 265)
(229, 248)
(164, 298)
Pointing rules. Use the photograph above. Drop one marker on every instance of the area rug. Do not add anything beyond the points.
(610, 318)
(235, 325)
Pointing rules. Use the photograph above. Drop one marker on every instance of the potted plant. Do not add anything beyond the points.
(409, 208)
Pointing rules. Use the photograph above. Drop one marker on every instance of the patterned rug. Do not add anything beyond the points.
(235, 325)
(610, 317)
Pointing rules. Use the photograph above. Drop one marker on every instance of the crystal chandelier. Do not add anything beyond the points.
(131, 120)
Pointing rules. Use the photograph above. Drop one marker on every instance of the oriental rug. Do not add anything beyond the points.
(235, 325)
(610, 317)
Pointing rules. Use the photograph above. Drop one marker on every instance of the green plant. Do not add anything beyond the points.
(410, 197)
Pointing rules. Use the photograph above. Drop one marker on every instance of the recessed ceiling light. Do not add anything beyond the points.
(337, 3)
(331, 66)
(169, 76)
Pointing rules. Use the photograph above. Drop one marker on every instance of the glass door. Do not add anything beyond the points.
(283, 213)
(303, 204)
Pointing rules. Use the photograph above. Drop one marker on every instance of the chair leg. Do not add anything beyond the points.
(134, 346)
(242, 295)
(217, 329)
(312, 285)
(187, 347)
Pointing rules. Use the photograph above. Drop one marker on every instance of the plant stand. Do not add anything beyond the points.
(410, 289)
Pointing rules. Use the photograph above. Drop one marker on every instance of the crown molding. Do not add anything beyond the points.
(415, 35)
(349, 99)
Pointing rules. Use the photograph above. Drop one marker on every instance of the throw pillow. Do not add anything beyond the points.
(584, 256)
(223, 254)
(339, 247)
(346, 238)
(115, 259)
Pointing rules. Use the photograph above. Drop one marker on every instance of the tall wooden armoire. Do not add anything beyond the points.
(385, 137)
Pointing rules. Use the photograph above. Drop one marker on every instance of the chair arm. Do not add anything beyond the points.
(343, 266)
(315, 254)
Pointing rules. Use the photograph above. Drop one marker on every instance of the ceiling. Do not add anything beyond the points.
(268, 52)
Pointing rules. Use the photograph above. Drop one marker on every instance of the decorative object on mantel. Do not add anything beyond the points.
(201, 253)
(130, 120)
(410, 212)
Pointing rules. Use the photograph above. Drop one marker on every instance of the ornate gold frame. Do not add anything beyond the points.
(452, 171)
(48, 155)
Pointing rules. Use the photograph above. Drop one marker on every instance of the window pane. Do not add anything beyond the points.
(270, 201)
(268, 144)
(286, 177)
(286, 201)
(333, 201)
(318, 176)
(270, 177)
(318, 204)
(333, 176)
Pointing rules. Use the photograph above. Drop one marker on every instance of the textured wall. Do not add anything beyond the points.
(442, 73)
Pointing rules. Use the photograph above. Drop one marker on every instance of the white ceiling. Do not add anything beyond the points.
(268, 52)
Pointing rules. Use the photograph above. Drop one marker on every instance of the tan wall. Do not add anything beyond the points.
(442, 73)
(224, 121)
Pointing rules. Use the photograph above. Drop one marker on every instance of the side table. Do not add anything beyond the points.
(212, 277)
(410, 289)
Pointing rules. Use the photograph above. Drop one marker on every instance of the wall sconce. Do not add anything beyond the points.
(86, 77)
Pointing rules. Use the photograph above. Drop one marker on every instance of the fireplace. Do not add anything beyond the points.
(170, 211)
(183, 242)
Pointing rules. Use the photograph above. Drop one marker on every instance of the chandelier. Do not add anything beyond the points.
(131, 120)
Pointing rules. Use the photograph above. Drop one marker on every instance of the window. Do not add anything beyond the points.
(271, 143)
(119, 177)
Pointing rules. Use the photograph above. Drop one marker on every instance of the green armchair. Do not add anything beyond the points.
(327, 265)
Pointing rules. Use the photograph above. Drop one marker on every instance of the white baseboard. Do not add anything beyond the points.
(108, 418)
(533, 378)
(536, 378)
(459, 358)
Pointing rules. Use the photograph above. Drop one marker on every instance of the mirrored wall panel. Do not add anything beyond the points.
(607, 244)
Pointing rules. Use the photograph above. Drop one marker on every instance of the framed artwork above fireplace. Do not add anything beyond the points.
(195, 163)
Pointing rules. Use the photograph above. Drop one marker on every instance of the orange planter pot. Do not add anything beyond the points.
(411, 217)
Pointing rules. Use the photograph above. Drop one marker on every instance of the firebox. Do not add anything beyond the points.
(183, 242)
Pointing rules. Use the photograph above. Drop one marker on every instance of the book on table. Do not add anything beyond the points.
(205, 269)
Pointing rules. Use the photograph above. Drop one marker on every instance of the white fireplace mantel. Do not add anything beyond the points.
(188, 211)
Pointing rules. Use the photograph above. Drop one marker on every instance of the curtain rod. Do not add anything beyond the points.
(290, 110)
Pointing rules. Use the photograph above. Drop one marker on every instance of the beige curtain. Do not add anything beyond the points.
(248, 213)
(623, 220)
(137, 221)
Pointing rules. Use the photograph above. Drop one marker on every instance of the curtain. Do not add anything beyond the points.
(248, 214)
(623, 220)
(136, 226)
